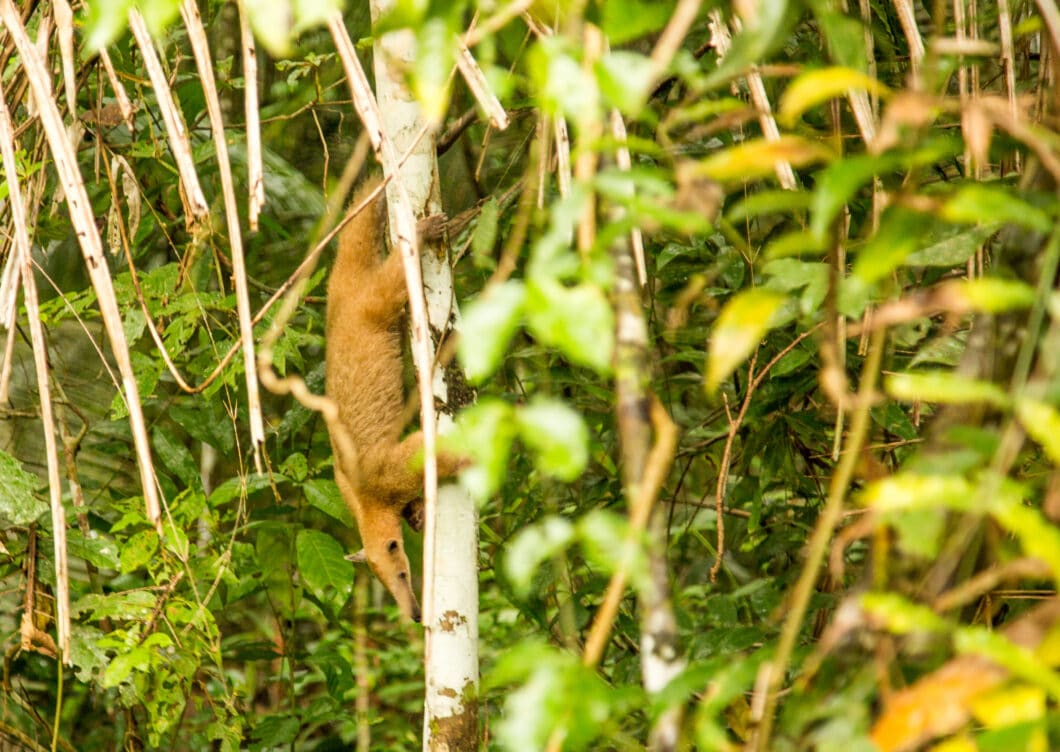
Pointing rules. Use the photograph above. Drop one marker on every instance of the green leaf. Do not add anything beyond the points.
(758, 158)
(914, 491)
(836, 185)
(625, 79)
(122, 666)
(272, 24)
(18, 502)
(899, 235)
(138, 550)
(1018, 660)
(532, 546)
(325, 495)
(776, 201)
(323, 567)
(1042, 422)
(761, 32)
(945, 388)
(901, 616)
(565, 88)
(740, 327)
(605, 540)
(488, 325)
(813, 87)
(980, 203)
(105, 20)
(485, 234)
(988, 295)
(955, 247)
(176, 458)
(578, 321)
(626, 20)
(435, 57)
(130, 605)
(556, 435)
(484, 432)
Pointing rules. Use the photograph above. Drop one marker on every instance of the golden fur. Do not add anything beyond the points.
(366, 299)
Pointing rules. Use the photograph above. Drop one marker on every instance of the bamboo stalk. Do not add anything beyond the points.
(40, 362)
(191, 191)
(201, 49)
(91, 247)
(255, 173)
(476, 82)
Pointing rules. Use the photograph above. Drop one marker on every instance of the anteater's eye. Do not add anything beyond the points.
(402, 576)
(392, 546)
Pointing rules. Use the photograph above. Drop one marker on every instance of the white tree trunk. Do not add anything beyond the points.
(450, 567)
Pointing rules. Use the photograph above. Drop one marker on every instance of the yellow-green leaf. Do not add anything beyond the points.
(758, 158)
(944, 387)
(739, 328)
(1042, 422)
(816, 86)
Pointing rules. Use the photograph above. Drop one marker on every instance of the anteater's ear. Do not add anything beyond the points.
(358, 557)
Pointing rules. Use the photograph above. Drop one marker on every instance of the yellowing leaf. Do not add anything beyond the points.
(944, 387)
(758, 158)
(816, 86)
(1042, 422)
(1008, 706)
(987, 294)
(739, 328)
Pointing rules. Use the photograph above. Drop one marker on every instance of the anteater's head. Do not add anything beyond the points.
(384, 550)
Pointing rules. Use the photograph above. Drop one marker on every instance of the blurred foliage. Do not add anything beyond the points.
(242, 626)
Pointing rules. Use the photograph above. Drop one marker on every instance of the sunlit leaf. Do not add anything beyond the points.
(323, 567)
(979, 203)
(740, 327)
(18, 503)
(813, 87)
(901, 616)
(953, 249)
(1042, 422)
(531, 547)
(325, 495)
(758, 158)
(556, 435)
(488, 325)
(484, 432)
(989, 294)
(576, 320)
(899, 235)
(946, 388)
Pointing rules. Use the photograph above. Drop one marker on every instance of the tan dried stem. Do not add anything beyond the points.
(191, 191)
(255, 173)
(40, 362)
(479, 87)
(124, 105)
(907, 19)
(81, 217)
(201, 49)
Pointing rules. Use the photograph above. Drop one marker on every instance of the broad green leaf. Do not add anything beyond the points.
(564, 87)
(18, 502)
(762, 30)
(485, 233)
(901, 616)
(105, 20)
(1042, 422)
(176, 458)
(1012, 704)
(776, 201)
(130, 605)
(1038, 537)
(484, 432)
(272, 24)
(913, 491)
(556, 435)
(158, 14)
(844, 35)
(626, 20)
(488, 325)
(323, 567)
(988, 294)
(816, 86)
(946, 388)
(533, 545)
(578, 321)
(605, 539)
(433, 61)
(980, 203)
(122, 666)
(953, 249)
(836, 185)
(740, 327)
(794, 243)
(625, 79)
(276, 731)
(758, 158)
(325, 495)
(138, 550)
(899, 235)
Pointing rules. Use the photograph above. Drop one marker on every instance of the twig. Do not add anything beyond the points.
(775, 670)
(197, 36)
(255, 174)
(479, 87)
(40, 361)
(91, 246)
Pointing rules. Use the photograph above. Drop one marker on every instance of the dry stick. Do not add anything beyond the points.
(91, 247)
(625, 163)
(753, 382)
(497, 21)
(564, 177)
(191, 192)
(255, 173)
(40, 361)
(124, 105)
(64, 25)
(404, 232)
(1008, 59)
(722, 40)
(655, 471)
(907, 19)
(201, 49)
(818, 543)
(480, 89)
